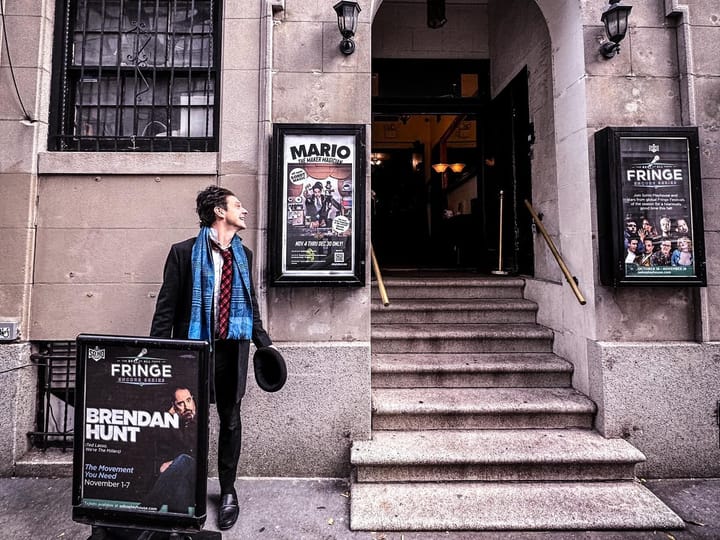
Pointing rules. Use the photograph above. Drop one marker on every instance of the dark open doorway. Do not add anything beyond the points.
(439, 159)
(425, 211)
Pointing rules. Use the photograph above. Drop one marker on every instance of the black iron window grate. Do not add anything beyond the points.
(136, 75)
(56, 395)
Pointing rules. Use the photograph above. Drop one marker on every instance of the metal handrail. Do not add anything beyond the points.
(378, 275)
(572, 280)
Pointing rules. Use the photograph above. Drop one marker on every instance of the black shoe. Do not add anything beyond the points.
(229, 510)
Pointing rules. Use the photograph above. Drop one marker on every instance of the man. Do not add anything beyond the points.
(318, 206)
(175, 452)
(632, 232)
(665, 226)
(681, 227)
(662, 257)
(183, 404)
(632, 250)
(208, 293)
(646, 258)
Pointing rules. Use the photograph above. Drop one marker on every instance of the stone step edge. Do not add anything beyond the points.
(51, 464)
(450, 357)
(493, 401)
(516, 506)
(445, 282)
(443, 331)
(485, 447)
(430, 366)
(453, 304)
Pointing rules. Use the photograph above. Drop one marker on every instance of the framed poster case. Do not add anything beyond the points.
(141, 433)
(317, 205)
(650, 217)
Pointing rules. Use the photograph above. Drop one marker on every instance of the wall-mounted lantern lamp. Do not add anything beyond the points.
(615, 19)
(347, 14)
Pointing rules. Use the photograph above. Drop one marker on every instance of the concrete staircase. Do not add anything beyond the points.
(476, 425)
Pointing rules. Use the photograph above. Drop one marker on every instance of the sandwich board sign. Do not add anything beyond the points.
(141, 432)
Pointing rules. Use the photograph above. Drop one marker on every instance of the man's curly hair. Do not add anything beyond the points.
(207, 200)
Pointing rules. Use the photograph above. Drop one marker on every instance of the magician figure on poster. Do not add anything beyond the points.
(657, 207)
(318, 186)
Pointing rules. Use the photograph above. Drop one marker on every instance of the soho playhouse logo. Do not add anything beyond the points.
(96, 354)
(138, 370)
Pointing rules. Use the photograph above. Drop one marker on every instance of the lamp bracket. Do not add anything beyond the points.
(347, 46)
(609, 49)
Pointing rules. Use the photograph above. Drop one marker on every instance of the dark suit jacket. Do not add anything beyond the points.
(322, 214)
(172, 310)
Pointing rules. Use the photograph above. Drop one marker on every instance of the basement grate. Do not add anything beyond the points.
(56, 395)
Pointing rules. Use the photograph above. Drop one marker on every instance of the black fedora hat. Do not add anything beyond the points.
(270, 369)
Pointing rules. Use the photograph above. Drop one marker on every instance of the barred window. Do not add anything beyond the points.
(135, 75)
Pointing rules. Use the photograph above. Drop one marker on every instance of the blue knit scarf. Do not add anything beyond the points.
(203, 276)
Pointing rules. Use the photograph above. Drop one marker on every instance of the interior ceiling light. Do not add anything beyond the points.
(440, 167)
(454, 167)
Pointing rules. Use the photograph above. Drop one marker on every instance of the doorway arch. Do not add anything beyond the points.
(555, 81)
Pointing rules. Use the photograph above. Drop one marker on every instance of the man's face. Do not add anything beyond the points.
(316, 192)
(682, 226)
(665, 225)
(184, 403)
(632, 245)
(648, 246)
(665, 247)
(631, 226)
(235, 213)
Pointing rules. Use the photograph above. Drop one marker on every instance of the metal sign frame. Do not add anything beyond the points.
(126, 418)
(317, 205)
(650, 212)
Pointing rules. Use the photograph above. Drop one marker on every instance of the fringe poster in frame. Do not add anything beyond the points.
(317, 205)
(650, 219)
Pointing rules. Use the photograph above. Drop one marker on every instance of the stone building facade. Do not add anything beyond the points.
(85, 233)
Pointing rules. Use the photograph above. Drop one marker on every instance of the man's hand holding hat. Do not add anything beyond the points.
(270, 368)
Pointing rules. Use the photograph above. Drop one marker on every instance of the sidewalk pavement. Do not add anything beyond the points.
(318, 509)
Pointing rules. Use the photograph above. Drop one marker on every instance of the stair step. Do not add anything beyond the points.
(480, 408)
(475, 425)
(45, 464)
(480, 506)
(442, 338)
(493, 310)
(456, 287)
(493, 455)
(470, 370)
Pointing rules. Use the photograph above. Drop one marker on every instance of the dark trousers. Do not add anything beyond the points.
(228, 363)
(175, 487)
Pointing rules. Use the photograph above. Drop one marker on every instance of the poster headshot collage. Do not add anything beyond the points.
(660, 245)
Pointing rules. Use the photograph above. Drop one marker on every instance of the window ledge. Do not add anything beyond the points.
(126, 163)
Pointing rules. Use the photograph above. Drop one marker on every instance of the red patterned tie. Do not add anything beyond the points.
(223, 316)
